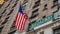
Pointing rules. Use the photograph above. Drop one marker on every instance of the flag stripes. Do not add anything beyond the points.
(20, 20)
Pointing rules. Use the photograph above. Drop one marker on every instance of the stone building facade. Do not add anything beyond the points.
(42, 16)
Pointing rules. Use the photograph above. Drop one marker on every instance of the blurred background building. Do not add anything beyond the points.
(43, 16)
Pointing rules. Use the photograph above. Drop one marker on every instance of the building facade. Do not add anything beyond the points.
(43, 16)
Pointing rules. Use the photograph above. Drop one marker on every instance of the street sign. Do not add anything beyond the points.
(42, 21)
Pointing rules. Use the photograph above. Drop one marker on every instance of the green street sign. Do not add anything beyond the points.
(42, 21)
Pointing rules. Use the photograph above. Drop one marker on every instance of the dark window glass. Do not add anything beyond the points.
(5, 21)
(45, 7)
(34, 14)
(7, 18)
(56, 11)
(3, 11)
(57, 30)
(25, 2)
(37, 3)
(55, 3)
(44, 16)
(33, 21)
(0, 16)
(12, 26)
(1, 29)
(7, 5)
(35, 11)
(59, 3)
(11, 11)
(14, 5)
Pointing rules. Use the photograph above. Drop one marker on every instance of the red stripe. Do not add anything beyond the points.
(24, 20)
(16, 19)
(23, 24)
(20, 21)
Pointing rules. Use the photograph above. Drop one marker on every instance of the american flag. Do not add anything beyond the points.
(20, 19)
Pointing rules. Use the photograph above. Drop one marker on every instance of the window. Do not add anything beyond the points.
(44, 16)
(0, 16)
(59, 4)
(25, 3)
(7, 5)
(1, 29)
(3, 11)
(33, 21)
(5, 21)
(37, 3)
(56, 11)
(55, 3)
(7, 18)
(45, 7)
(14, 5)
(12, 26)
(57, 30)
(11, 11)
(34, 14)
